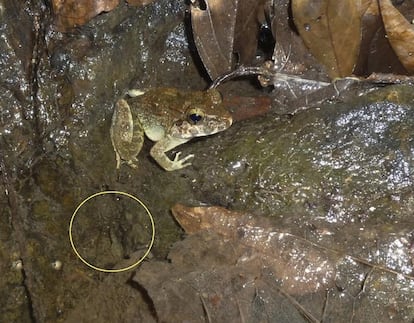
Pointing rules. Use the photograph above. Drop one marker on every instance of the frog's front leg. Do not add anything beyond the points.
(165, 144)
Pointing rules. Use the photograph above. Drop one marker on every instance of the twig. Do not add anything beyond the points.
(305, 313)
(266, 72)
(205, 309)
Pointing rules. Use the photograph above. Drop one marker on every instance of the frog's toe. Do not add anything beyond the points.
(177, 157)
(181, 163)
(131, 164)
(118, 160)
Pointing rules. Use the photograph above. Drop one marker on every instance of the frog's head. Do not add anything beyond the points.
(203, 117)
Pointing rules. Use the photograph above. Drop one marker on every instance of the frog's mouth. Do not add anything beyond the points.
(208, 126)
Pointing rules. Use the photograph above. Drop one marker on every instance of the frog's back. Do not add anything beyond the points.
(158, 107)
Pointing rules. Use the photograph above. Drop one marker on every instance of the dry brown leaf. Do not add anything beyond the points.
(376, 53)
(71, 13)
(370, 7)
(223, 28)
(257, 234)
(331, 29)
(235, 266)
(400, 33)
(247, 29)
(213, 30)
(212, 280)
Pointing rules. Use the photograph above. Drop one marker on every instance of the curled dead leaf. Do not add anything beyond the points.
(249, 13)
(376, 54)
(224, 29)
(332, 31)
(213, 30)
(400, 33)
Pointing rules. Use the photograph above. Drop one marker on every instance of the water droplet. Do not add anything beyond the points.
(17, 264)
(307, 27)
(57, 265)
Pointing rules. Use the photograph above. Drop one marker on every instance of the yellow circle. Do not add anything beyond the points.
(104, 269)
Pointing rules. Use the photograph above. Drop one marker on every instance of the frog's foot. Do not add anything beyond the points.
(166, 144)
(178, 163)
(131, 163)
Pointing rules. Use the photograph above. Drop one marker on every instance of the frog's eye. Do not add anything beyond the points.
(195, 115)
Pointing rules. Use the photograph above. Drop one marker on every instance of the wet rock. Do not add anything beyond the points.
(344, 168)
(345, 163)
(57, 95)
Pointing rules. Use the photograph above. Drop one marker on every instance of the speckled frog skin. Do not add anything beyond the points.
(168, 117)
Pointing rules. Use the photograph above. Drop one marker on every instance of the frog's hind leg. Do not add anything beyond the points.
(135, 145)
(127, 134)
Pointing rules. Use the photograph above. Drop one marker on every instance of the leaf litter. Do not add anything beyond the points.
(400, 33)
(223, 29)
(235, 266)
(346, 37)
(331, 30)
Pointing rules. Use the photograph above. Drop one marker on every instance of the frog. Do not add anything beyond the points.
(167, 116)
